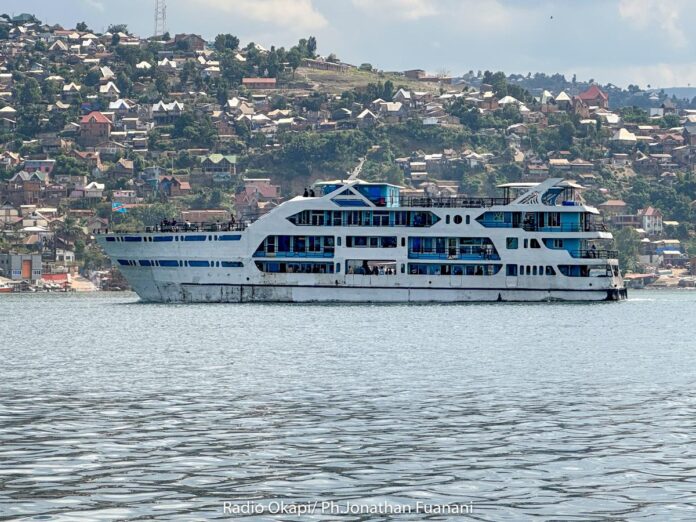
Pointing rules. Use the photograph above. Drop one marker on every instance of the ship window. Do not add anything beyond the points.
(403, 241)
(447, 219)
(534, 270)
(511, 243)
(468, 220)
(550, 271)
(457, 220)
(199, 264)
(528, 270)
(526, 243)
(338, 241)
(521, 269)
(535, 244)
(338, 267)
(232, 264)
(403, 266)
(511, 270)
(557, 243)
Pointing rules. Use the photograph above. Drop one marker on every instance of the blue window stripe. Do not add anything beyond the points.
(350, 202)
(168, 263)
(199, 264)
(133, 239)
(163, 238)
(194, 238)
(110, 239)
(232, 264)
(123, 262)
(145, 262)
(235, 237)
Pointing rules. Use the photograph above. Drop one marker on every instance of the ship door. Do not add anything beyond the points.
(452, 248)
(511, 276)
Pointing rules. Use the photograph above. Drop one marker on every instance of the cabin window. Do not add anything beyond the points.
(511, 243)
(534, 243)
(534, 270)
(457, 220)
(557, 243)
(528, 270)
(526, 243)
(550, 271)
(554, 219)
(468, 220)
(511, 270)
(338, 241)
(403, 267)
(403, 243)
(447, 219)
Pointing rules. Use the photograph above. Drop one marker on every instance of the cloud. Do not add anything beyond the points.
(298, 14)
(403, 9)
(664, 14)
(95, 4)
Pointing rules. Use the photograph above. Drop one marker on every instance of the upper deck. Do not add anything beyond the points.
(554, 192)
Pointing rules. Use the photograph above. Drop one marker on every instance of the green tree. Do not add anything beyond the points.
(628, 244)
(224, 42)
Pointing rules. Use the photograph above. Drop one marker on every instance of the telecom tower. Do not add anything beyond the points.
(160, 17)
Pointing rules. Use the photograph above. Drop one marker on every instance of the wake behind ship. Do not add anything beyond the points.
(363, 242)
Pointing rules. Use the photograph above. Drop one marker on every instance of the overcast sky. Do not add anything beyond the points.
(618, 41)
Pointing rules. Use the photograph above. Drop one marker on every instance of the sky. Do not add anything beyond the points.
(643, 42)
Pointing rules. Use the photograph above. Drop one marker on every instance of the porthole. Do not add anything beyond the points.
(457, 220)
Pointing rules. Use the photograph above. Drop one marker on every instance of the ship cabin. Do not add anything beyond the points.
(379, 194)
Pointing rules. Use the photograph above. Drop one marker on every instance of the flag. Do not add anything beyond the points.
(118, 207)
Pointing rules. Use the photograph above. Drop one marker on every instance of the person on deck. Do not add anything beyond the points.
(306, 193)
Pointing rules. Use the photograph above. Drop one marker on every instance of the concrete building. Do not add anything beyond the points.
(21, 267)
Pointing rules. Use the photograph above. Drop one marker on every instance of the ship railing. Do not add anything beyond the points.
(452, 202)
(594, 253)
(587, 227)
(237, 226)
(533, 227)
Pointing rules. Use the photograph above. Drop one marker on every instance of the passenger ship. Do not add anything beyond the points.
(364, 242)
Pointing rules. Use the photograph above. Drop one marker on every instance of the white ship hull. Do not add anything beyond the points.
(190, 293)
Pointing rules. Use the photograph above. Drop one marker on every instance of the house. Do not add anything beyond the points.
(25, 188)
(21, 267)
(95, 128)
(9, 160)
(109, 90)
(123, 168)
(415, 74)
(594, 97)
(189, 42)
(651, 221)
(172, 186)
(219, 163)
(41, 165)
(166, 113)
(257, 198)
(259, 83)
(612, 207)
(366, 118)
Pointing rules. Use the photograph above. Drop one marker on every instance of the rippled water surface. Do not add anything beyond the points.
(112, 409)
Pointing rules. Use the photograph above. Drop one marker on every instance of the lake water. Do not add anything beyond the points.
(112, 409)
